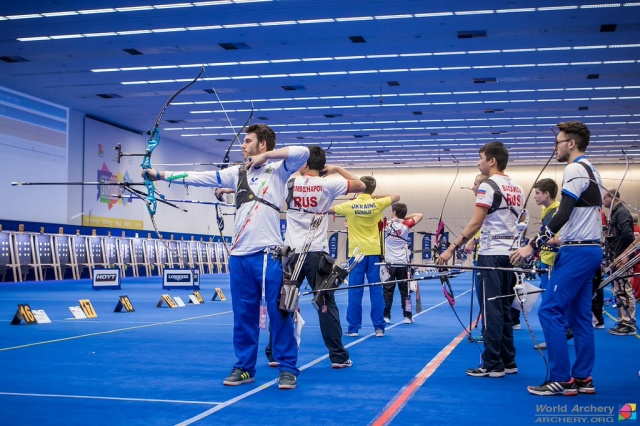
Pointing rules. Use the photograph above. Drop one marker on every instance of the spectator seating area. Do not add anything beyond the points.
(26, 256)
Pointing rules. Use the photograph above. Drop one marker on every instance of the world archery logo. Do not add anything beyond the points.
(627, 412)
(112, 195)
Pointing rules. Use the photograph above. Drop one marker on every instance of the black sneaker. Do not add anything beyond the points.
(550, 388)
(622, 330)
(585, 386)
(511, 368)
(483, 372)
(237, 377)
(287, 380)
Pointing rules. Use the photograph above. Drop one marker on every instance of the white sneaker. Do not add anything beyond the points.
(351, 334)
(387, 320)
(379, 332)
(517, 327)
(408, 320)
(348, 363)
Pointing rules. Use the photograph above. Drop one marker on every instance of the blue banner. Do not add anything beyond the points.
(426, 247)
(333, 245)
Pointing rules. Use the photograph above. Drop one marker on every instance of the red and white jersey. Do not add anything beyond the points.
(396, 240)
(311, 194)
(499, 227)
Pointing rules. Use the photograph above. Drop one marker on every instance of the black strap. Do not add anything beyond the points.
(498, 196)
(244, 193)
(590, 197)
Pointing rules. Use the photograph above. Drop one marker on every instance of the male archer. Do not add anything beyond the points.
(569, 289)
(499, 200)
(255, 270)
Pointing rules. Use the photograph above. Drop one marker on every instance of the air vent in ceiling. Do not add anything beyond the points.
(263, 118)
(357, 39)
(583, 108)
(393, 83)
(227, 140)
(417, 112)
(172, 121)
(211, 91)
(13, 59)
(133, 52)
(608, 28)
(333, 115)
(593, 76)
(294, 87)
(358, 136)
(491, 111)
(435, 134)
(108, 95)
(234, 46)
(299, 137)
(485, 80)
(472, 34)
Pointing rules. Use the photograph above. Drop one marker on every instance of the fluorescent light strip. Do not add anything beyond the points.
(317, 21)
(313, 74)
(396, 55)
(128, 9)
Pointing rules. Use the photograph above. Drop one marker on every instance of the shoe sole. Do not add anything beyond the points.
(549, 393)
(287, 387)
(273, 364)
(623, 334)
(339, 366)
(510, 371)
(491, 375)
(587, 391)
(241, 382)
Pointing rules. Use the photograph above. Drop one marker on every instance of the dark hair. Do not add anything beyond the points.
(400, 210)
(369, 184)
(577, 131)
(613, 193)
(317, 158)
(264, 133)
(498, 151)
(547, 185)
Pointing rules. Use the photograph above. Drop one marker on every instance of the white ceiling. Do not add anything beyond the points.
(390, 83)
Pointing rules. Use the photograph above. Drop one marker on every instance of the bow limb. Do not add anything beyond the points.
(441, 225)
(153, 141)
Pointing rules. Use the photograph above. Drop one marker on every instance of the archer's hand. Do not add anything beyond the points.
(150, 174)
(521, 254)
(255, 161)
(468, 248)
(444, 257)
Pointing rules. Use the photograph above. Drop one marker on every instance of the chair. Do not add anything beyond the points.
(139, 260)
(151, 253)
(124, 255)
(45, 258)
(97, 256)
(223, 257)
(7, 262)
(24, 256)
(63, 257)
(205, 260)
(194, 256)
(81, 256)
(213, 255)
(110, 250)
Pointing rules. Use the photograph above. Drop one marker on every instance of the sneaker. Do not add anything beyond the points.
(273, 364)
(237, 377)
(511, 368)
(517, 327)
(408, 320)
(585, 386)
(350, 334)
(348, 363)
(483, 372)
(622, 330)
(387, 320)
(541, 346)
(379, 332)
(599, 325)
(550, 388)
(287, 380)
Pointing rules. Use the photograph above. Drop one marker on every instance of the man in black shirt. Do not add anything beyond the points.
(619, 237)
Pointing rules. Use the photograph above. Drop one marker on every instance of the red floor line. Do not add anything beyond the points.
(407, 392)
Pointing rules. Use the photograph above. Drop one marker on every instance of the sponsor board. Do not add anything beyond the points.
(106, 278)
(181, 278)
